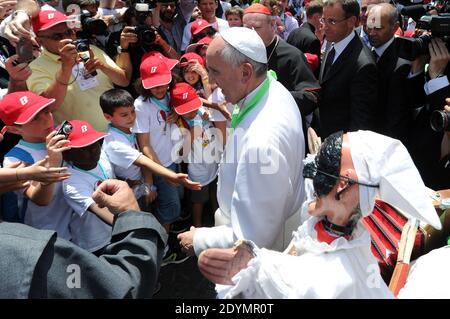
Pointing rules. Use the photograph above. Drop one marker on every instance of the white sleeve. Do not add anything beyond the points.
(142, 123)
(436, 84)
(186, 37)
(121, 154)
(260, 194)
(217, 237)
(78, 195)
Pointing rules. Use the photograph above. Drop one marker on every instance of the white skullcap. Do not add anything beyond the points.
(246, 41)
(382, 160)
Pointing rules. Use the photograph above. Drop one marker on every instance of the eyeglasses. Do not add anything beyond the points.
(351, 181)
(59, 36)
(330, 21)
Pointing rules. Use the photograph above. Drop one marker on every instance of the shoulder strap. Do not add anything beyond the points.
(20, 154)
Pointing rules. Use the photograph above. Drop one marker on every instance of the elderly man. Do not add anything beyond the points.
(362, 29)
(260, 184)
(330, 255)
(74, 81)
(288, 62)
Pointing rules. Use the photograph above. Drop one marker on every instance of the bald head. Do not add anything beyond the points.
(382, 22)
(365, 7)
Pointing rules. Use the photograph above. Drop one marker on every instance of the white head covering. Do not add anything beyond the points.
(382, 160)
(246, 41)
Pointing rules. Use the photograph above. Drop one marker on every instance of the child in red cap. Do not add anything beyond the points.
(153, 127)
(41, 205)
(201, 148)
(194, 73)
(89, 166)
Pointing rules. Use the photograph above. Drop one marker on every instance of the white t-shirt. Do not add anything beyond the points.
(150, 118)
(215, 115)
(220, 25)
(88, 231)
(55, 216)
(122, 151)
(205, 153)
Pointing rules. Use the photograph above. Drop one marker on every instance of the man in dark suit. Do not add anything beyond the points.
(304, 37)
(348, 75)
(393, 112)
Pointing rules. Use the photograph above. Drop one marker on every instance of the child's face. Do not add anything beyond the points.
(123, 117)
(39, 127)
(191, 115)
(159, 91)
(87, 156)
(191, 77)
(234, 20)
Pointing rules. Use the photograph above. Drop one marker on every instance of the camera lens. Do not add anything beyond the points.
(439, 121)
(67, 129)
(148, 36)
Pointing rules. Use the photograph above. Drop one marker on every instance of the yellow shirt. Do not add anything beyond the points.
(78, 104)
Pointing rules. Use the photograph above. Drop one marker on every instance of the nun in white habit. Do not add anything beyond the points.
(330, 254)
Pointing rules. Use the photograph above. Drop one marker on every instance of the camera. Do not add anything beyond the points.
(91, 26)
(81, 45)
(65, 129)
(439, 121)
(437, 25)
(146, 34)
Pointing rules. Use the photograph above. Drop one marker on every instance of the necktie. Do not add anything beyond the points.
(329, 61)
(375, 55)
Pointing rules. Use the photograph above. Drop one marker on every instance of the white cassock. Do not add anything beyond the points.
(342, 269)
(260, 185)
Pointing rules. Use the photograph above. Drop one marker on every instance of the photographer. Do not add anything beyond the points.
(138, 21)
(69, 76)
(128, 267)
(424, 142)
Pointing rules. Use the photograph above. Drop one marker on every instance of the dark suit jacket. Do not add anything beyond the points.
(304, 39)
(349, 91)
(294, 73)
(394, 107)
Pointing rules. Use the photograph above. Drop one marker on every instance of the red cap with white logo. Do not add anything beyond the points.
(49, 18)
(83, 134)
(21, 107)
(184, 98)
(199, 25)
(171, 63)
(154, 72)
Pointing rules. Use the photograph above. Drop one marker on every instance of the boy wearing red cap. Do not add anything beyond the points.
(41, 205)
(89, 166)
(201, 148)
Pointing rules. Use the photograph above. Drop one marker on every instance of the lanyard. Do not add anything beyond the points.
(130, 137)
(237, 115)
(161, 105)
(197, 120)
(105, 176)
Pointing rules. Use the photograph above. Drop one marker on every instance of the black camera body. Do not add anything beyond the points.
(91, 26)
(65, 129)
(437, 25)
(81, 45)
(146, 34)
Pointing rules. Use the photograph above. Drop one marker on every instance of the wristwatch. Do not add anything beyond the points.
(122, 50)
(148, 188)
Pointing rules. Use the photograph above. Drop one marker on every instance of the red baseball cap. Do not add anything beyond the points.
(22, 107)
(258, 8)
(83, 134)
(49, 18)
(184, 98)
(154, 72)
(185, 58)
(171, 63)
(199, 25)
(203, 41)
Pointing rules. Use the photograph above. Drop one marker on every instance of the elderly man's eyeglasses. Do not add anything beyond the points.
(330, 21)
(59, 36)
(350, 181)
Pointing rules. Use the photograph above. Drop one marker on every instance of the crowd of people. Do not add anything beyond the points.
(125, 124)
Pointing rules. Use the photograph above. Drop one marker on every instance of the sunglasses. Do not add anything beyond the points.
(308, 173)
